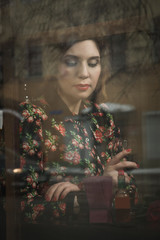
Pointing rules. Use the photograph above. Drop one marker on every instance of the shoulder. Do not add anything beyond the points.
(31, 111)
(97, 110)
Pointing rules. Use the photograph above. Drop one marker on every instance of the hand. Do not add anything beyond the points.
(119, 162)
(60, 190)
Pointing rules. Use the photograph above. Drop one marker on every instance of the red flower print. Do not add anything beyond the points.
(25, 114)
(34, 185)
(96, 105)
(93, 165)
(109, 132)
(47, 143)
(91, 154)
(76, 127)
(81, 146)
(38, 208)
(29, 179)
(29, 196)
(68, 156)
(98, 136)
(31, 152)
(62, 207)
(98, 159)
(38, 122)
(25, 146)
(30, 119)
(85, 132)
(79, 137)
(98, 114)
(101, 128)
(112, 123)
(87, 145)
(35, 142)
(40, 132)
(44, 117)
(109, 159)
(62, 130)
(38, 112)
(104, 106)
(110, 145)
(22, 162)
(53, 148)
(103, 154)
(74, 142)
(76, 159)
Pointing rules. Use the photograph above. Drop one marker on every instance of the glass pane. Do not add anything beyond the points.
(79, 119)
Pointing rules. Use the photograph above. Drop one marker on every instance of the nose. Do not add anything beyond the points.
(83, 71)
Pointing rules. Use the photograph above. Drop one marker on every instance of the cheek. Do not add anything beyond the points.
(62, 72)
(65, 72)
(96, 76)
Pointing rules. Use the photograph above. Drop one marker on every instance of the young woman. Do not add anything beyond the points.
(68, 135)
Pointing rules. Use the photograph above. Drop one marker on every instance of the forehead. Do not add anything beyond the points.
(87, 48)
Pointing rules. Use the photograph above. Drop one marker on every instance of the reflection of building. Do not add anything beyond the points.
(29, 29)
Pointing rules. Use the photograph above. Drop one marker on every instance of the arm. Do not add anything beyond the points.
(31, 160)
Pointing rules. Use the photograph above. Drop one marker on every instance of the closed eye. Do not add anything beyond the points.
(70, 61)
(93, 62)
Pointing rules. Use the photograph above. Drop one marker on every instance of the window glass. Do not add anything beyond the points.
(79, 119)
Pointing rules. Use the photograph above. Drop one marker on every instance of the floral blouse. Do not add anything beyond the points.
(56, 146)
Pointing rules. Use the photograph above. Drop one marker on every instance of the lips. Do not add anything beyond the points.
(82, 87)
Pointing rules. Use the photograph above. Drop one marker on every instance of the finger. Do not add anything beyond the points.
(68, 189)
(51, 191)
(125, 164)
(127, 178)
(117, 158)
(62, 190)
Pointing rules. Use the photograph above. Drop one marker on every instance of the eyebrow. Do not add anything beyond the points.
(76, 57)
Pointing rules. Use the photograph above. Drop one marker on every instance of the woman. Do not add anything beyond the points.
(67, 136)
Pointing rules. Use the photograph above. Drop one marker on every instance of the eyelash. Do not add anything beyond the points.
(74, 63)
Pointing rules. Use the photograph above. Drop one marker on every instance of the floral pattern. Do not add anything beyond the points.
(69, 149)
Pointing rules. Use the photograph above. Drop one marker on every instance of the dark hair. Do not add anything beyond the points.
(102, 44)
(74, 38)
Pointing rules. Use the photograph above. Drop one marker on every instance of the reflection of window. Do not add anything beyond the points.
(156, 39)
(151, 129)
(1, 68)
(34, 60)
(118, 47)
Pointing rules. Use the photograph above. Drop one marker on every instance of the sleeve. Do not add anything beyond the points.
(114, 146)
(33, 204)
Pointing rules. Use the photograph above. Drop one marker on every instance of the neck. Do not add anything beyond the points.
(74, 106)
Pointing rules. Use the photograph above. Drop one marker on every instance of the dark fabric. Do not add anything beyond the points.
(99, 196)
